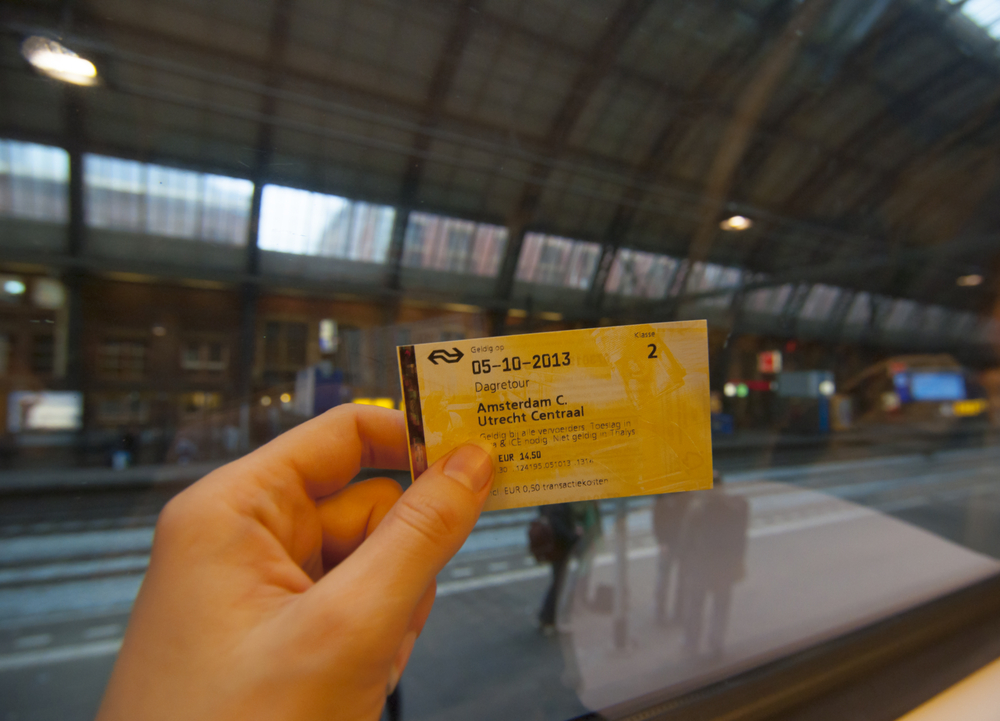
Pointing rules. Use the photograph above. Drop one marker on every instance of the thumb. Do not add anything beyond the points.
(422, 531)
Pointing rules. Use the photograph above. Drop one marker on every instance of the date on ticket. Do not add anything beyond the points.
(570, 415)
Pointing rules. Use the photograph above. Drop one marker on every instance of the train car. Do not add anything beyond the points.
(934, 390)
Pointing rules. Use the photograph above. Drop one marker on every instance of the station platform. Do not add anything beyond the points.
(754, 447)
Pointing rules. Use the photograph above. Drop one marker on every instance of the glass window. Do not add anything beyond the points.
(4, 354)
(819, 302)
(640, 274)
(204, 356)
(705, 277)
(285, 345)
(122, 409)
(304, 223)
(985, 13)
(43, 353)
(769, 301)
(901, 314)
(860, 311)
(550, 260)
(450, 244)
(122, 358)
(153, 199)
(33, 181)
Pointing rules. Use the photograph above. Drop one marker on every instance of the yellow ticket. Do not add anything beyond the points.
(571, 415)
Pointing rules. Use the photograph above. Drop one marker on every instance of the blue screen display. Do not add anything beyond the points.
(901, 381)
(940, 386)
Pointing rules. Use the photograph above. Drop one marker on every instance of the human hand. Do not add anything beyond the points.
(277, 591)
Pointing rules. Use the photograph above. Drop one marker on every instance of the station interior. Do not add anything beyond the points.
(219, 220)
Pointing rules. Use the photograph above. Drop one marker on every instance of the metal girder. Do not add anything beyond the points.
(595, 67)
(607, 172)
(738, 303)
(818, 181)
(263, 150)
(760, 149)
(900, 104)
(752, 103)
(437, 93)
(72, 278)
(665, 142)
(838, 313)
(481, 135)
(75, 119)
(277, 43)
(907, 104)
(789, 315)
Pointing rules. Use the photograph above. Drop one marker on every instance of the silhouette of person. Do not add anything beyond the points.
(713, 541)
(564, 536)
(668, 515)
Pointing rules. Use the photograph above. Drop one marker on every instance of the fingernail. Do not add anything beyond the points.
(393, 681)
(471, 466)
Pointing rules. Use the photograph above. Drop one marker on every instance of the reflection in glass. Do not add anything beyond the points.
(759, 569)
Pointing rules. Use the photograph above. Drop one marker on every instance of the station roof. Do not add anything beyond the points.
(860, 136)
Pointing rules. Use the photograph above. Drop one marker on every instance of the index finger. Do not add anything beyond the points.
(324, 454)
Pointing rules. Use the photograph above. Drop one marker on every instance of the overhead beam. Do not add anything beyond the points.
(851, 152)
(594, 68)
(661, 149)
(74, 119)
(433, 109)
(590, 171)
(750, 106)
(402, 115)
(263, 151)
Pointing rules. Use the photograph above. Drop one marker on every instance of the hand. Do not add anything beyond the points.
(277, 591)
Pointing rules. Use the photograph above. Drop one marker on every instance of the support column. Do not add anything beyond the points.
(249, 292)
(73, 278)
(394, 258)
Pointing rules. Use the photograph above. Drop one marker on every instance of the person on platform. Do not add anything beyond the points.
(587, 518)
(668, 515)
(712, 545)
(565, 535)
(275, 590)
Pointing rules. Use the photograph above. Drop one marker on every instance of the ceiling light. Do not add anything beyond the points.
(14, 287)
(57, 61)
(969, 281)
(737, 222)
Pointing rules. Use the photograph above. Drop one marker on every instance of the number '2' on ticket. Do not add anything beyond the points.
(570, 415)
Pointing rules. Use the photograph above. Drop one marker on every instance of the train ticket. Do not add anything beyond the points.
(570, 415)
